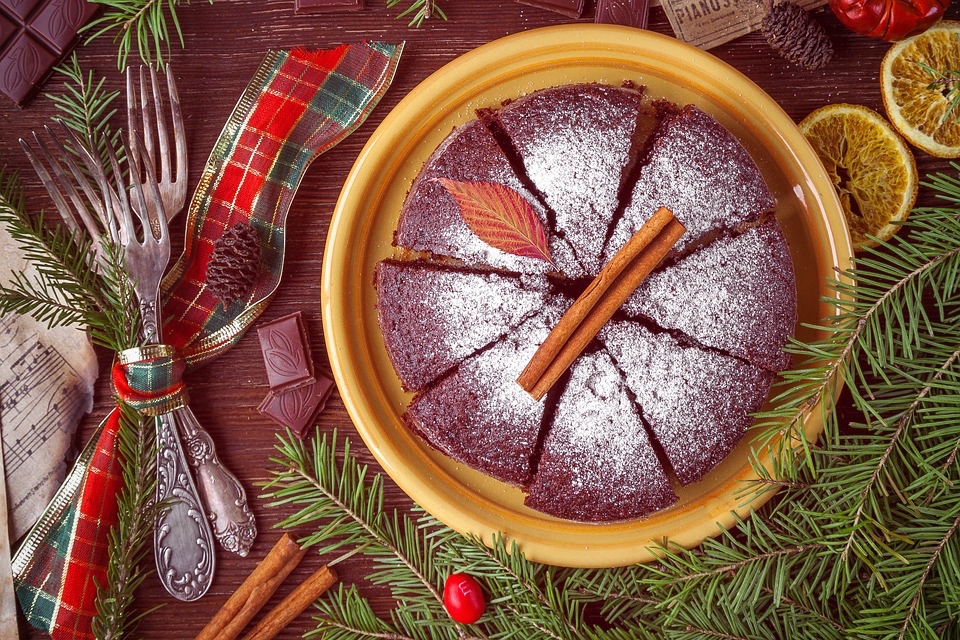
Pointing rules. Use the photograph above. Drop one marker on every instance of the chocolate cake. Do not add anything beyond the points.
(430, 220)
(478, 415)
(434, 316)
(697, 401)
(597, 463)
(745, 291)
(666, 390)
(701, 172)
(568, 136)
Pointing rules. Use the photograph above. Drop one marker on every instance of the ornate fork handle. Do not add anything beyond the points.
(183, 541)
(222, 494)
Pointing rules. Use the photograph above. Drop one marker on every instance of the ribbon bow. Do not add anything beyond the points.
(298, 105)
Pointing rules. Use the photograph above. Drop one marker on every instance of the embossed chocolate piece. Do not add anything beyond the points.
(298, 407)
(629, 13)
(324, 6)
(569, 8)
(286, 352)
(34, 36)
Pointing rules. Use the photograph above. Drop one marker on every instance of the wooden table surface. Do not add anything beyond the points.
(225, 42)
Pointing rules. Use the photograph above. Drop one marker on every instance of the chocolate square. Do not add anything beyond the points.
(325, 6)
(629, 13)
(7, 29)
(286, 352)
(58, 21)
(19, 8)
(297, 408)
(23, 66)
(569, 8)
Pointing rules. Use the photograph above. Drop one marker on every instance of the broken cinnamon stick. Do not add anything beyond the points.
(293, 605)
(255, 591)
(597, 304)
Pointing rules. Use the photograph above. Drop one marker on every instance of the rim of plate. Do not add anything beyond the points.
(436, 101)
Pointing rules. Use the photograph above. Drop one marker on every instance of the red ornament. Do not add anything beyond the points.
(463, 598)
(889, 20)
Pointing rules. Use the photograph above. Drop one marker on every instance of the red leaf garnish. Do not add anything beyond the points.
(501, 217)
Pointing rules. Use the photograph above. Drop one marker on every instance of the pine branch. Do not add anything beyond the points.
(334, 496)
(130, 541)
(85, 107)
(419, 11)
(143, 26)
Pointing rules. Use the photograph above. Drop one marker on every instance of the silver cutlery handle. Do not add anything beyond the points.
(183, 541)
(221, 492)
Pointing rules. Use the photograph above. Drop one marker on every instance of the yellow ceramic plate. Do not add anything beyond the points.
(368, 210)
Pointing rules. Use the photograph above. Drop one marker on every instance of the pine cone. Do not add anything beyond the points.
(235, 263)
(797, 36)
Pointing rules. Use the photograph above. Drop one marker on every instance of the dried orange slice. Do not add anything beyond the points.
(870, 165)
(920, 84)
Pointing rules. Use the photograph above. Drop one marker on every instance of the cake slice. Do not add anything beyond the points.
(697, 402)
(430, 219)
(432, 316)
(701, 172)
(597, 463)
(478, 414)
(745, 293)
(577, 145)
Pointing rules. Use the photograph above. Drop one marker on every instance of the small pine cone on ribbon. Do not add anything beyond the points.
(793, 33)
(235, 263)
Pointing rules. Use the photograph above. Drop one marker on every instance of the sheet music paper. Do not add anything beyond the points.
(46, 386)
(8, 598)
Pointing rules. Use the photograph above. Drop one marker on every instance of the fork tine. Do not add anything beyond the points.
(127, 232)
(95, 167)
(180, 139)
(162, 138)
(148, 125)
(133, 114)
(93, 199)
(58, 200)
(158, 226)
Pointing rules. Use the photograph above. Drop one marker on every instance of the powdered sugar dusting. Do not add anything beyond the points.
(598, 463)
(433, 317)
(697, 402)
(431, 220)
(745, 291)
(702, 173)
(479, 415)
(575, 144)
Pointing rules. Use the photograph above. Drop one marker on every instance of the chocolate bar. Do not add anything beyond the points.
(629, 13)
(286, 352)
(34, 36)
(569, 8)
(298, 407)
(323, 6)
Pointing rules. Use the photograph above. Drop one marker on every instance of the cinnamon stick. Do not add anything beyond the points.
(255, 591)
(597, 304)
(293, 605)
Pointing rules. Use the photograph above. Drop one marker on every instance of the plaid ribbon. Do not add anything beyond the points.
(298, 105)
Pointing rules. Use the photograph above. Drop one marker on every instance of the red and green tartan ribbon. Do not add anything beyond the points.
(298, 105)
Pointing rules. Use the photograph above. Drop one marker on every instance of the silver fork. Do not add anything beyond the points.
(183, 540)
(77, 212)
(140, 117)
(233, 522)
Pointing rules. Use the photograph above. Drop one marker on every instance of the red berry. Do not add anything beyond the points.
(463, 598)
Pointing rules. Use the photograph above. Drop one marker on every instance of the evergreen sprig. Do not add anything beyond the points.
(862, 539)
(87, 108)
(130, 539)
(146, 27)
(419, 11)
